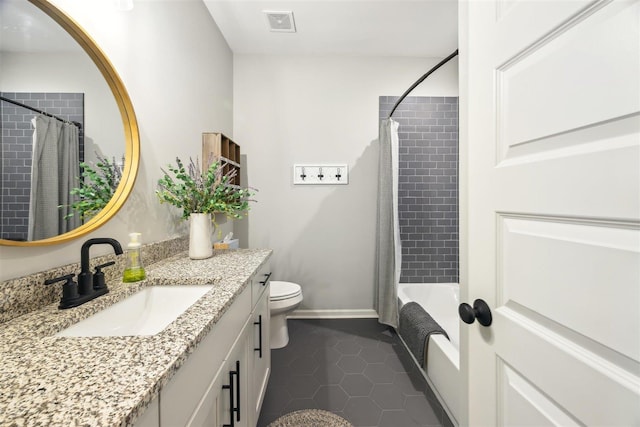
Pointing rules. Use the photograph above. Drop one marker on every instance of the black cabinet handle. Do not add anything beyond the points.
(267, 277)
(233, 406)
(259, 323)
(480, 311)
(230, 387)
(237, 408)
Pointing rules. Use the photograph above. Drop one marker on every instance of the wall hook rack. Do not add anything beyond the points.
(320, 174)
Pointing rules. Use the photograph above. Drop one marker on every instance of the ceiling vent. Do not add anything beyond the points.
(281, 21)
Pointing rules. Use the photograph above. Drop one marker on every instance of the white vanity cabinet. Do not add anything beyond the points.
(228, 372)
(151, 416)
(260, 354)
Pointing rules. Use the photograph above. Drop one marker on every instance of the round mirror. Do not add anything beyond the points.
(70, 145)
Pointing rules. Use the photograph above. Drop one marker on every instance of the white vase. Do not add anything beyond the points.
(200, 246)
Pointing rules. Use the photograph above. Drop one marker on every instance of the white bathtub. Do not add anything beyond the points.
(441, 301)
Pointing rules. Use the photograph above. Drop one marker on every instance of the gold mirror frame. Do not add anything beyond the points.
(132, 136)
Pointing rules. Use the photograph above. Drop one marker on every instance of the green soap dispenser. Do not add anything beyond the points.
(134, 271)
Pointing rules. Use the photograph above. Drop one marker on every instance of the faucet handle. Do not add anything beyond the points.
(106, 264)
(69, 289)
(98, 276)
(59, 279)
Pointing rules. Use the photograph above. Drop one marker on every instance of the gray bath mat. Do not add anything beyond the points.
(310, 418)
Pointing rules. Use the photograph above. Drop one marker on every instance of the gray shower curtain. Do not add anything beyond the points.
(388, 248)
(54, 172)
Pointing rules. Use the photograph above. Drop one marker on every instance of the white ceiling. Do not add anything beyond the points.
(423, 28)
(419, 28)
(25, 28)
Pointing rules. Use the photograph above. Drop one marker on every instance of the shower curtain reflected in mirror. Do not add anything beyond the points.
(54, 172)
(388, 248)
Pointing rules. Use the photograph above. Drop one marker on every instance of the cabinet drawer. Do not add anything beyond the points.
(181, 396)
(260, 282)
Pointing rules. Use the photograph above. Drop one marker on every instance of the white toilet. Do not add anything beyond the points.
(284, 297)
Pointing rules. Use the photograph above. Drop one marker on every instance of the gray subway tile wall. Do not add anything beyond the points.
(428, 186)
(15, 152)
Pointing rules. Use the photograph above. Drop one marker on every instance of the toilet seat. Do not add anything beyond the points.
(283, 290)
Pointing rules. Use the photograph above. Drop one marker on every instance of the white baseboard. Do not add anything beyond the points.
(334, 314)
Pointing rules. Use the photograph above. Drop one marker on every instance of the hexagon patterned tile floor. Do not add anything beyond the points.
(355, 368)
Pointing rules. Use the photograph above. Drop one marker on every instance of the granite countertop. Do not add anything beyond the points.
(109, 381)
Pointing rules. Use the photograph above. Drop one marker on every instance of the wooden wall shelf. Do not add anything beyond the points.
(216, 144)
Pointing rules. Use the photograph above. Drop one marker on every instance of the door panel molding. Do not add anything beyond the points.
(522, 403)
(573, 274)
(588, 381)
(631, 224)
(541, 91)
(553, 34)
(621, 133)
(610, 358)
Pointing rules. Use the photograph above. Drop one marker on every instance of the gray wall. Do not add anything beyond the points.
(428, 188)
(303, 109)
(190, 59)
(15, 152)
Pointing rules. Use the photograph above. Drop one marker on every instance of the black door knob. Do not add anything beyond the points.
(480, 311)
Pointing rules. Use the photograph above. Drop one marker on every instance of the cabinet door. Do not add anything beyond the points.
(260, 357)
(151, 415)
(207, 413)
(233, 404)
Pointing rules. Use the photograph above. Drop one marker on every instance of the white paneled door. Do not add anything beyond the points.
(550, 164)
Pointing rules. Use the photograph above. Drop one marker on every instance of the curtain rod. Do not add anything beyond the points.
(421, 79)
(19, 104)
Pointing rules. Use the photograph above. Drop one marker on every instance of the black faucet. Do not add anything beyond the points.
(85, 278)
(88, 286)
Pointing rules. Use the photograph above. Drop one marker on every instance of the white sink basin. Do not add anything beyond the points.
(146, 312)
